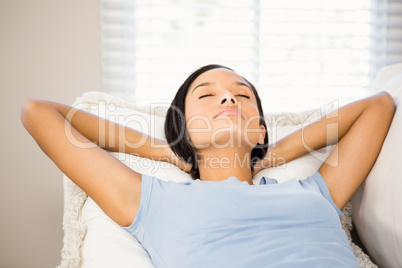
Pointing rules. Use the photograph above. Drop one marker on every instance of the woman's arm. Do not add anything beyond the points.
(325, 131)
(111, 136)
(114, 137)
(69, 137)
(355, 154)
(359, 129)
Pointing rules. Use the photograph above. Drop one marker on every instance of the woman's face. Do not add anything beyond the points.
(221, 110)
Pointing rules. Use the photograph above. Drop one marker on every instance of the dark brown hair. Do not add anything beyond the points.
(176, 129)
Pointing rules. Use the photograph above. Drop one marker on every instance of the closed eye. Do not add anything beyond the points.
(245, 96)
(203, 96)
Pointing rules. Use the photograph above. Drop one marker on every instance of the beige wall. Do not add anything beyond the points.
(48, 49)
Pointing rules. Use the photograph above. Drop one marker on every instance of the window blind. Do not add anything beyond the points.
(299, 54)
(386, 37)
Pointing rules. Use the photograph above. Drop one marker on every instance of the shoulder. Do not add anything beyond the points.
(317, 183)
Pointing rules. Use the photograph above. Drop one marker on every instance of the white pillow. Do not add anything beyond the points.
(377, 205)
(106, 244)
(300, 168)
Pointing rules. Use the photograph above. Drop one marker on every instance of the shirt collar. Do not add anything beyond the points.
(265, 181)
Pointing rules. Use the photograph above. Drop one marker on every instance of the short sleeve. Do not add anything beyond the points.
(317, 181)
(136, 228)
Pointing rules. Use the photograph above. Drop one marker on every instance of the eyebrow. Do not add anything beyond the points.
(205, 84)
(239, 83)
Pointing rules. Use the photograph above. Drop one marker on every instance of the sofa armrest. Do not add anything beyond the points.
(377, 203)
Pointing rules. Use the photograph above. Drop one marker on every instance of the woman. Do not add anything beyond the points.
(215, 130)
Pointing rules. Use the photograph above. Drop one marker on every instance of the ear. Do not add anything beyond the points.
(262, 134)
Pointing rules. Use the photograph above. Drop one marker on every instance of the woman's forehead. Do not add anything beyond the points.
(218, 75)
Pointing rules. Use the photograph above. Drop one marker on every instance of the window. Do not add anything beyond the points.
(299, 54)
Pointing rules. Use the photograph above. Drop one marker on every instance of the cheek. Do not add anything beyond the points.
(198, 123)
(196, 117)
(252, 129)
(199, 126)
(251, 113)
(252, 132)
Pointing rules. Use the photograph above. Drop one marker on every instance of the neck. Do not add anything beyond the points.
(218, 165)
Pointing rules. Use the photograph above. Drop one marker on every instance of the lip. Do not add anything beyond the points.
(227, 112)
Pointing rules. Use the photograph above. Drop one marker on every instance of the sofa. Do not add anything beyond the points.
(92, 239)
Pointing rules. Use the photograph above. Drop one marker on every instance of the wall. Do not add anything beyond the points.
(48, 49)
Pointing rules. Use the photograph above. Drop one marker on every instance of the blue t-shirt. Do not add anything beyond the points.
(234, 224)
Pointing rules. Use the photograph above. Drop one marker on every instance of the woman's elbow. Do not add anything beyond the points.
(28, 110)
(386, 104)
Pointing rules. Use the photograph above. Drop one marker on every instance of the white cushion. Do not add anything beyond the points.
(106, 244)
(377, 205)
(300, 168)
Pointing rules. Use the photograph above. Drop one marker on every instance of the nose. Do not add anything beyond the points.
(228, 98)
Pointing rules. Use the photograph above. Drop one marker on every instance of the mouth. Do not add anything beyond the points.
(228, 112)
